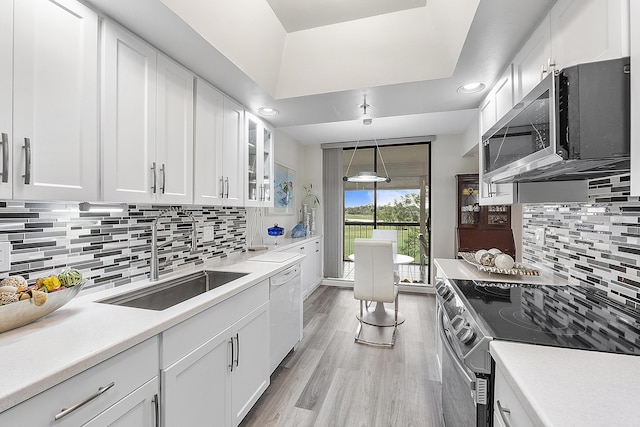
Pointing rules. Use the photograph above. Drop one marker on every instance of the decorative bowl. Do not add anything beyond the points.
(21, 313)
(517, 270)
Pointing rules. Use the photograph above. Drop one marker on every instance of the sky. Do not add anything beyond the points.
(355, 198)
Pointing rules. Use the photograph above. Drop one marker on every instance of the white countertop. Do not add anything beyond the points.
(83, 333)
(565, 387)
(460, 269)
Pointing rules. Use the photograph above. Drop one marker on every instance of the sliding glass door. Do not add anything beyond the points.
(401, 205)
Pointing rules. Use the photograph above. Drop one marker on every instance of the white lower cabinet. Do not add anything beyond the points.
(508, 411)
(226, 366)
(139, 409)
(121, 391)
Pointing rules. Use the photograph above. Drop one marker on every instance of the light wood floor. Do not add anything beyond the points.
(332, 381)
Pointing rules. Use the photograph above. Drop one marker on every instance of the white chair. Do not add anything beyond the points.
(393, 236)
(374, 280)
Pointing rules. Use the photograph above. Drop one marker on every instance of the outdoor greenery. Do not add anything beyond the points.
(403, 210)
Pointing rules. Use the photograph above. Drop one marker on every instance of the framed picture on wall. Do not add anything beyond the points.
(284, 184)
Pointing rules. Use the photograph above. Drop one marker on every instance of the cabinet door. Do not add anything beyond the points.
(6, 99)
(138, 409)
(232, 152)
(504, 93)
(55, 101)
(253, 194)
(259, 159)
(589, 30)
(208, 180)
(487, 114)
(267, 166)
(129, 128)
(197, 389)
(174, 132)
(531, 64)
(250, 376)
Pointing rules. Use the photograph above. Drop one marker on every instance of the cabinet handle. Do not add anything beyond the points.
(502, 411)
(222, 186)
(543, 71)
(226, 184)
(156, 409)
(27, 161)
(5, 157)
(65, 412)
(153, 187)
(164, 178)
(232, 353)
(237, 350)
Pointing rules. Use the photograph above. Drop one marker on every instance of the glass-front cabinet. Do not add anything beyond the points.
(481, 227)
(471, 214)
(260, 156)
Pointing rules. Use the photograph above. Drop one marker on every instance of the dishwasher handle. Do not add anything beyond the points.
(285, 276)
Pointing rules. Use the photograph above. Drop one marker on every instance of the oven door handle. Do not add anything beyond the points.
(446, 344)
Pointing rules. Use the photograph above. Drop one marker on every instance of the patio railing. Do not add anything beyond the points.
(408, 241)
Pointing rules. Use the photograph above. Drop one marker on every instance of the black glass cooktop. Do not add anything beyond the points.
(563, 316)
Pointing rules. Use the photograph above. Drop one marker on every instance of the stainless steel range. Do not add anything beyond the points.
(472, 313)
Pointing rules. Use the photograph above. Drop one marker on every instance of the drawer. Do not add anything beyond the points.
(127, 371)
(512, 409)
(186, 336)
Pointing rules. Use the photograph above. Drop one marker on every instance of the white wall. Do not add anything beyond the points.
(446, 163)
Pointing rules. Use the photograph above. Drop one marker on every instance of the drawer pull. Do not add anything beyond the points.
(65, 412)
(502, 412)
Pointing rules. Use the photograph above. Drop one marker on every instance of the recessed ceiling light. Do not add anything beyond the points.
(472, 87)
(266, 111)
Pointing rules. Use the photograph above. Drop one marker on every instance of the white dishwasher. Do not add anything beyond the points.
(286, 313)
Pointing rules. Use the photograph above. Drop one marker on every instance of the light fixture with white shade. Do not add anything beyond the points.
(367, 176)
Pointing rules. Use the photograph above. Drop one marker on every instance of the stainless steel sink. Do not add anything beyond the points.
(168, 294)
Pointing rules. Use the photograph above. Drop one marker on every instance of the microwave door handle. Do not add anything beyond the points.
(446, 344)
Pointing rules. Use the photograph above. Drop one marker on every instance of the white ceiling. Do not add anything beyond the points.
(412, 108)
(296, 15)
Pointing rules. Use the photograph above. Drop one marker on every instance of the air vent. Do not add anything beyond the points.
(481, 391)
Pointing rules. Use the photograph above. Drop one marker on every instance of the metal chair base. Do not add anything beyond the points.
(391, 343)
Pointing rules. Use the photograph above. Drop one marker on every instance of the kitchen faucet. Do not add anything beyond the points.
(154, 239)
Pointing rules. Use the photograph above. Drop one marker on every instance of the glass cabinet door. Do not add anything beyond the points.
(260, 150)
(252, 142)
(468, 201)
(268, 161)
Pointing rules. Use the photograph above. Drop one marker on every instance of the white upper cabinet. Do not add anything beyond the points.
(259, 172)
(208, 187)
(574, 32)
(6, 99)
(233, 152)
(219, 148)
(55, 100)
(174, 133)
(129, 112)
(533, 62)
(589, 30)
(504, 93)
(148, 122)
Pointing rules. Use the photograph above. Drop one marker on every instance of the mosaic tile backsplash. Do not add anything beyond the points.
(113, 248)
(595, 243)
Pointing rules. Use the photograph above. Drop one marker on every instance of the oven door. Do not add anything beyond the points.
(459, 384)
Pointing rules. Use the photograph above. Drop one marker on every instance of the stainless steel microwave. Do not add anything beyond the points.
(575, 124)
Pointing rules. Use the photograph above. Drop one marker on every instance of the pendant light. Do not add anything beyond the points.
(366, 176)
